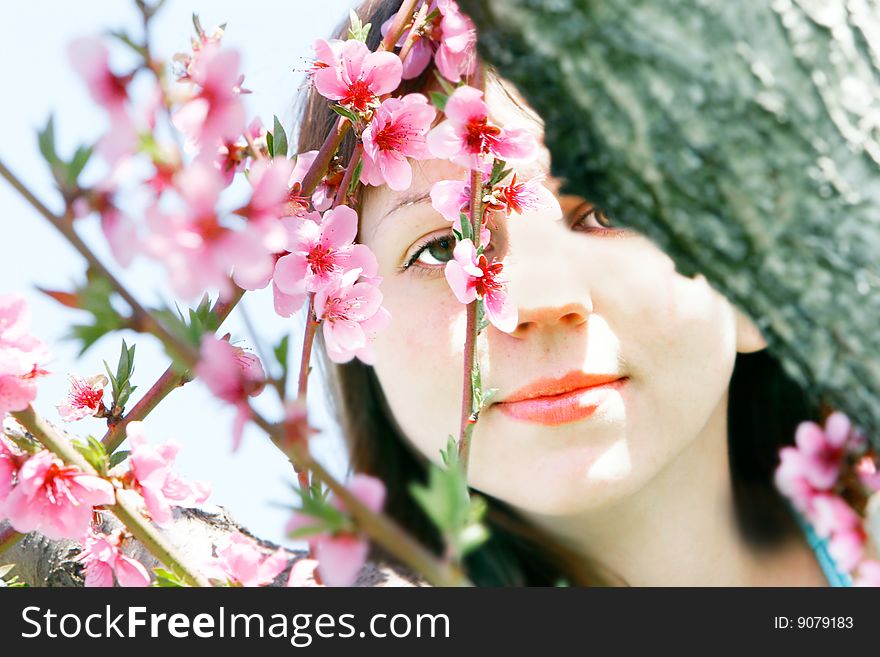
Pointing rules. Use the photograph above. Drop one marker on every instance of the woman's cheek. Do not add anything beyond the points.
(419, 361)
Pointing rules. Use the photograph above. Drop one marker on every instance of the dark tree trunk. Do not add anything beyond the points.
(742, 137)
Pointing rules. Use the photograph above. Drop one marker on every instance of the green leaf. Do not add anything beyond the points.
(439, 100)
(499, 173)
(93, 452)
(448, 89)
(448, 503)
(280, 140)
(347, 113)
(118, 457)
(355, 177)
(168, 579)
(281, 352)
(358, 30)
(314, 503)
(46, 142)
(270, 143)
(467, 232)
(77, 163)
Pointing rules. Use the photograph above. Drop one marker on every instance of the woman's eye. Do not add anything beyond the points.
(588, 217)
(437, 251)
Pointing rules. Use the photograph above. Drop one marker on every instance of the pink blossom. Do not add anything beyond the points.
(90, 59)
(85, 398)
(327, 55)
(232, 153)
(302, 573)
(197, 249)
(359, 76)
(868, 573)
(233, 375)
(119, 229)
(21, 355)
(472, 277)
(791, 480)
(155, 480)
(834, 519)
(457, 55)
(322, 197)
(341, 556)
(102, 558)
(830, 514)
(847, 548)
(524, 196)
(396, 132)
(9, 462)
(451, 37)
(215, 113)
(266, 206)
(450, 198)
(351, 316)
(55, 499)
(869, 475)
(242, 562)
(468, 138)
(823, 450)
(321, 248)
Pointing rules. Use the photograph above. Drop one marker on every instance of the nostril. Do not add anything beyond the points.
(572, 318)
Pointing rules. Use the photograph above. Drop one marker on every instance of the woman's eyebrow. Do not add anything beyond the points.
(405, 201)
(409, 199)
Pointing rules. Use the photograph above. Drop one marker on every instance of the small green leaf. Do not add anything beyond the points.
(166, 578)
(355, 177)
(439, 100)
(93, 452)
(467, 232)
(46, 142)
(358, 30)
(270, 144)
(77, 163)
(448, 89)
(499, 173)
(280, 140)
(347, 113)
(281, 352)
(118, 457)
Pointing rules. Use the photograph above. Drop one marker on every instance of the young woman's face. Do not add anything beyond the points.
(590, 299)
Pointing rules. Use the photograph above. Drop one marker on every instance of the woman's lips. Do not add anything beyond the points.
(562, 408)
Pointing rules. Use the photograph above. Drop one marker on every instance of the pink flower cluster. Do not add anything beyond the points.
(341, 556)
(809, 473)
(448, 36)
(184, 227)
(150, 474)
(323, 259)
(21, 355)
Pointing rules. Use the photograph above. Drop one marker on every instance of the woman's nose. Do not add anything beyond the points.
(547, 282)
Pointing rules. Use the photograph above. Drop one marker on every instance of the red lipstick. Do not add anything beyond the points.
(573, 397)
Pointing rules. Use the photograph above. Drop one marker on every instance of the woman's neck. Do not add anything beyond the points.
(680, 528)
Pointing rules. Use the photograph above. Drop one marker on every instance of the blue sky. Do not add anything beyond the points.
(274, 39)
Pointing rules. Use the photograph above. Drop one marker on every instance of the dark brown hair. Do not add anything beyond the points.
(765, 407)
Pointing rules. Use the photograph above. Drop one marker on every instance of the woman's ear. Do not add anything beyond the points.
(748, 336)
